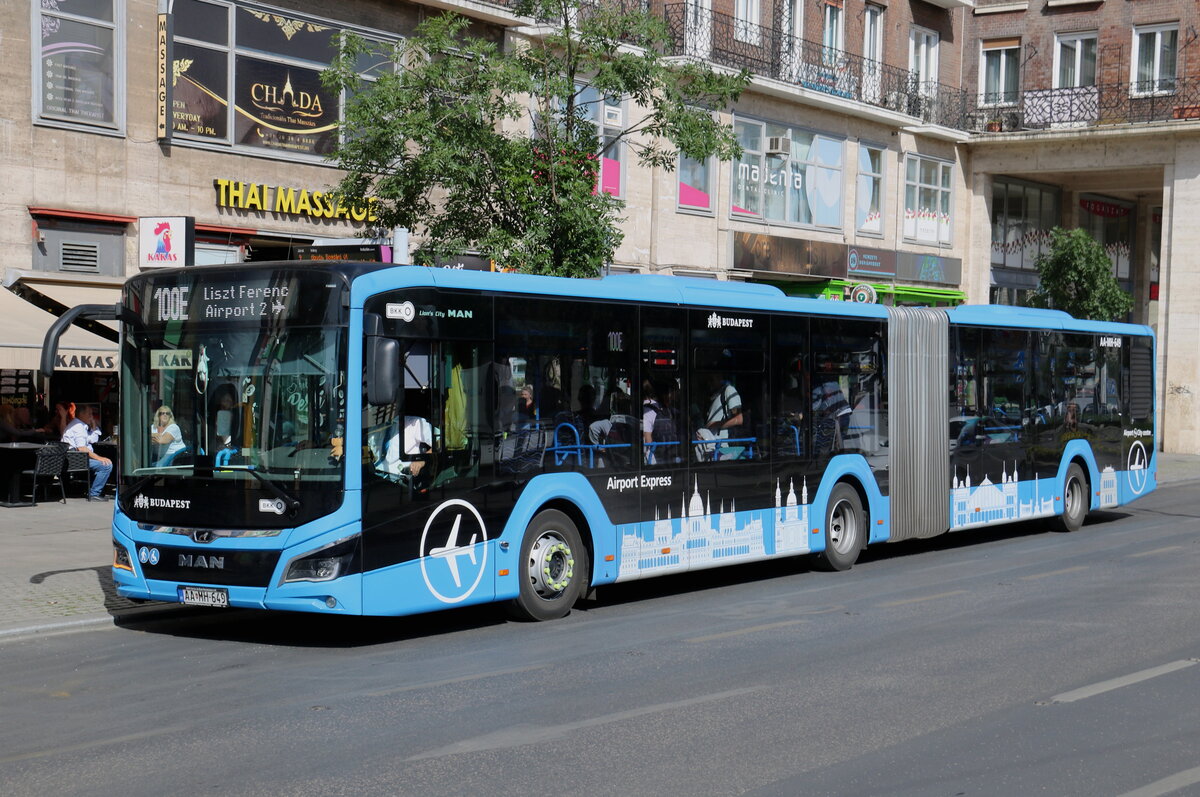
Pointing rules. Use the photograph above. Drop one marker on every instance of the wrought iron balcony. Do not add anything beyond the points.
(1088, 106)
(727, 41)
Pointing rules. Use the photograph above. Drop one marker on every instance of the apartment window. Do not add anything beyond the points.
(928, 207)
(873, 34)
(868, 215)
(695, 184)
(1075, 60)
(251, 79)
(1154, 54)
(1023, 214)
(787, 175)
(872, 52)
(746, 15)
(833, 35)
(999, 78)
(80, 77)
(923, 58)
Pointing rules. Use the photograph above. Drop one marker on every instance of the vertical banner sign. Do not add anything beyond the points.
(165, 77)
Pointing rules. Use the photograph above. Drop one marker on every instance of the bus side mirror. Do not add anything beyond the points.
(382, 359)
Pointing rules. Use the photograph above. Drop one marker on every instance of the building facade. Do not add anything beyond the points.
(909, 152)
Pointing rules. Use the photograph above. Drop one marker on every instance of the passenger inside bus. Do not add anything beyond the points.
(165, 437)
(722, 420)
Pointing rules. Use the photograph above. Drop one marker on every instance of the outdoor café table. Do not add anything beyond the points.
(14, 458)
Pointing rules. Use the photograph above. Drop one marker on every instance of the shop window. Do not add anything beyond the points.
(608, 114)
(695, 184)
(80, 247)
(80, 76)
(1110, 221)
(787, 175)
(868, 216)
(267, 68)
(928, 200)
(1022, 216)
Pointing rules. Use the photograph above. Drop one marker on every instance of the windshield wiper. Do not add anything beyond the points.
(292, 502)
(142, 482)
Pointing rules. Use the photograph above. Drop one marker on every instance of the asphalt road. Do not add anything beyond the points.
(1010, 662)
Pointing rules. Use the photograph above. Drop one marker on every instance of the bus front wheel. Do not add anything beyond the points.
(845, 529)
(553, 570)
(1075, 499)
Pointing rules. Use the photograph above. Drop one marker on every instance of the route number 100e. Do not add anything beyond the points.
(171, 303)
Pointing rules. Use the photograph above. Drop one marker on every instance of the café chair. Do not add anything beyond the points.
(77, 467)
(48, 470)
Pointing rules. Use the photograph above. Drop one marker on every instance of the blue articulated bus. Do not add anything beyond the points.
(372, 439)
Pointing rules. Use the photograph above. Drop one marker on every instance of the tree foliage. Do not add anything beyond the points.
(1076, 275)
(473, 146)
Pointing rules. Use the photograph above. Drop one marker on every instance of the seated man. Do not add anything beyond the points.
(80, 433)
(402, 452)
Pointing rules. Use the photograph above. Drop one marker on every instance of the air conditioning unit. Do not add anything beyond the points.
(612, 116)
(779, 146)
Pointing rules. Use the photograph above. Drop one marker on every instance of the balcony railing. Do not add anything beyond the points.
(1088, 106)
(727, 41)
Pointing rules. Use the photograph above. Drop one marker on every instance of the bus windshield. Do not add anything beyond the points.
(245, 411)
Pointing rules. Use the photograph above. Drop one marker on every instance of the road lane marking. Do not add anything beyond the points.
(1173, 783)
(96, 743)
(452, 681)
(748, 630)
(1155, 551)
(1117, 683)
(525, 734)
(938, 596)
(1036, 576)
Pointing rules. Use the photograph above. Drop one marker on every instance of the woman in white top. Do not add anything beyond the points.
(166, 436)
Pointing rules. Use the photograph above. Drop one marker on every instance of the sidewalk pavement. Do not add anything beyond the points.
(55, 569)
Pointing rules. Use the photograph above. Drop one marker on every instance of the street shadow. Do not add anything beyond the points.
(113, 603)
(305, 630)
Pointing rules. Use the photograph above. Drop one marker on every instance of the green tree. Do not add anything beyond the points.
(472, 146)
(1076, 275)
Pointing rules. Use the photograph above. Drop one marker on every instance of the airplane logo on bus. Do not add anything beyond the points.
(454, 569)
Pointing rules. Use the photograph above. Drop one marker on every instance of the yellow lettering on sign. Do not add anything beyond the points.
(285, 200)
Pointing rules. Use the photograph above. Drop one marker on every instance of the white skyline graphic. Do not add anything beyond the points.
(700, 538)
(988, 502)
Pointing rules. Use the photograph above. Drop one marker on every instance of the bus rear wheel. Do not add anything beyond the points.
(845, 529)
(1075, 499)
(553, 570)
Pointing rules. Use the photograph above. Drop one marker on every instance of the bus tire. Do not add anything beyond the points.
(1075, 499)
(553, 568)
(845, 529)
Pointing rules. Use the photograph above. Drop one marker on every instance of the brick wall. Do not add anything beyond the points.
(1113, 21)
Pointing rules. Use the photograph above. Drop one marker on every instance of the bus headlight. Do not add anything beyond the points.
(121, 558)
(325, 564)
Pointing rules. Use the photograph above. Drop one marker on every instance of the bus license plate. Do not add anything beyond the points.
(204, 596)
